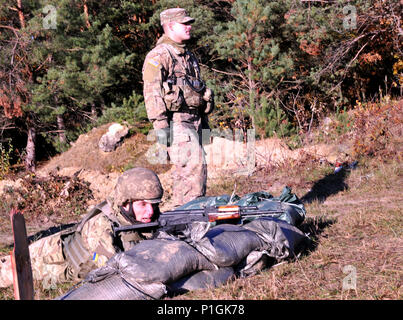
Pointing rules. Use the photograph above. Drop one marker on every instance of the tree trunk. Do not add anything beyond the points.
(94, 115)
(252, 85)
(87, 19)
(30, 150)
(21, 14)
(61, 128)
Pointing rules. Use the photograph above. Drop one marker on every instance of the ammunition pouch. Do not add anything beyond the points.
(173, 96)
(78, 257)
(193, 99)
(181, 94)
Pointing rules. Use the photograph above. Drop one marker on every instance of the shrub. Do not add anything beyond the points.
(5, 159)
(377, 128)
(132, 111)
(271, 120)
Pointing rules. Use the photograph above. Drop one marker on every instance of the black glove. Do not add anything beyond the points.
(209, 98)
(163, 136)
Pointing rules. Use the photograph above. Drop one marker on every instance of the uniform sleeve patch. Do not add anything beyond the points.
(152, 71)
(154, 63)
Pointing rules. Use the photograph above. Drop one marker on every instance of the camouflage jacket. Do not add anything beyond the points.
(173, 88)
(71, 253)
(93, 242)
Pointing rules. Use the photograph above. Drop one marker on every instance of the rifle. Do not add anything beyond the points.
(174, 221)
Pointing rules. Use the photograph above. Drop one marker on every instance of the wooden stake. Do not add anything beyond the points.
(20, 259)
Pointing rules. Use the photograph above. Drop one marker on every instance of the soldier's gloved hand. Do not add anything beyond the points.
(158, 153)
(163, 136)
(209, 98)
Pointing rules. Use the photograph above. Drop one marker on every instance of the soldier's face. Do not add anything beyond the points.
(181, 31)
(143, 210)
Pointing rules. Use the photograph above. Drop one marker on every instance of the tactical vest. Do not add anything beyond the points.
(79, 258)
(183, 87)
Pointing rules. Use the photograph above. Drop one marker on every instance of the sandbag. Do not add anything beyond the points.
(253, 263)
(158, 260)
(142, 271)
(207, 201)
(115, 287)
(226, 245)
(283, 240)
(202, 280)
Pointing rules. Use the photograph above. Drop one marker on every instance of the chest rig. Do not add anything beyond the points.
(79, 258)
(183, 87)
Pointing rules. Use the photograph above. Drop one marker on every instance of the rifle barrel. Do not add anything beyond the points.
(136, 226)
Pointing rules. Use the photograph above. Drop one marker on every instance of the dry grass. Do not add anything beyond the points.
(354, 219)
(359, 226)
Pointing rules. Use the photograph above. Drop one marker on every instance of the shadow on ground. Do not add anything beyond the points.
(329, 185)
(313, 228)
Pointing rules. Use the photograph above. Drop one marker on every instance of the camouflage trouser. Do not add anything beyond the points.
(47, 262)
(190, 171)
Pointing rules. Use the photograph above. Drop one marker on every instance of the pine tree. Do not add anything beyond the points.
(249, 47)
(16, 73)
(80, 61)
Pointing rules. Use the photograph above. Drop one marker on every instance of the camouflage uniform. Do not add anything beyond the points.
(177, 101)
(48, 260)
(72, 253)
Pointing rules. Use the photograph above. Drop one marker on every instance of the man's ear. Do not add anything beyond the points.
(170, 26)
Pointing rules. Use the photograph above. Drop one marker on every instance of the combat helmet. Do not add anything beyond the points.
(136, 184)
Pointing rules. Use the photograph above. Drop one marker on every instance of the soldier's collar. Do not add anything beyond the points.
(180, 48)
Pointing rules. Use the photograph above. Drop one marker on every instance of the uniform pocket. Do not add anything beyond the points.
(173, 97)
(192, 98)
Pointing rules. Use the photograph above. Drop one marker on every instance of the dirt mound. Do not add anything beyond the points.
(101, 169)
(226, 156)
(86, 154)
(87, 162)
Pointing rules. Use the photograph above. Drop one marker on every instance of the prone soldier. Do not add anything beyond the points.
(72, 253)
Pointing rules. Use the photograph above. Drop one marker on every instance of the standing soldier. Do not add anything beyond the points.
(177, 103)
(72, 253)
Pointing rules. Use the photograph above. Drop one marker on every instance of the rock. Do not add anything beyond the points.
(110, 140)
(327, 125)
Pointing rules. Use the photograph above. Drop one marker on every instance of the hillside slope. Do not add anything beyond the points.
(354, 216)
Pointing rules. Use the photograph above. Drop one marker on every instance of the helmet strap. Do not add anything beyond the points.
(128, 214)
